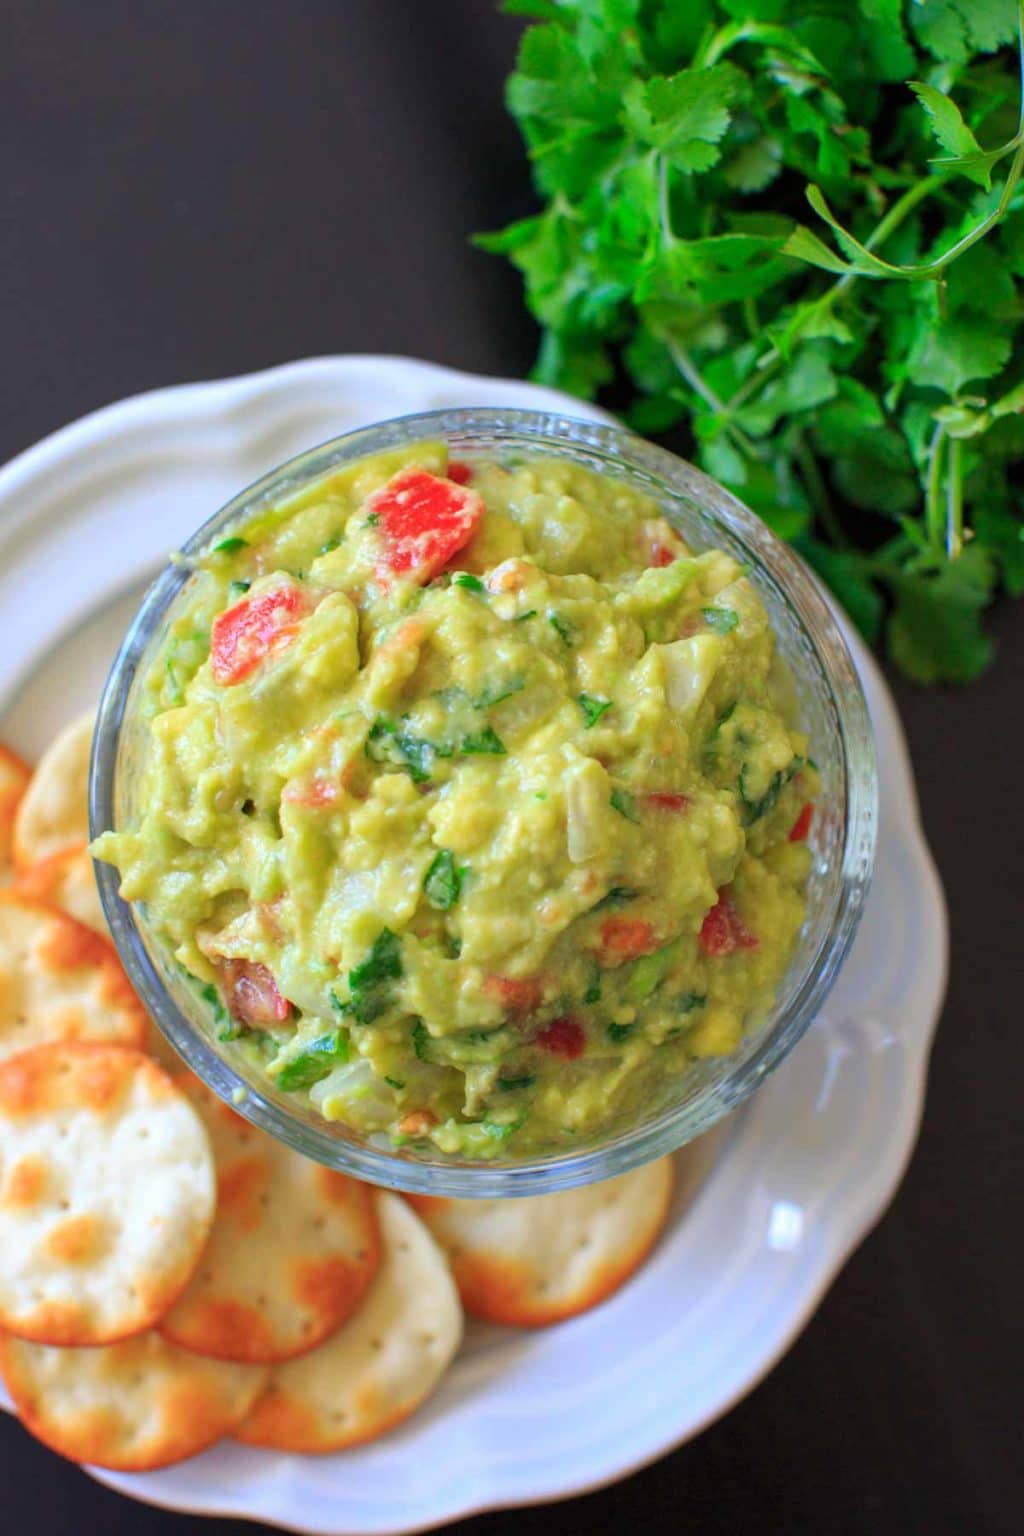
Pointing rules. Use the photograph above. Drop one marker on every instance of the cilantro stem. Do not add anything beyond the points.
(954, 499)
(934, 514)
(684, 363)
(664, 209)
(686, 367)
(767, 365)
(818, 492)
(891, 222)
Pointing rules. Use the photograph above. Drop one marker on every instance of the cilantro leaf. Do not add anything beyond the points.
(934, 629)
(592, 709)
(952, 132)
(836, 371)
(963, 349)
(383, 963)
(485, 741)
(625, 804)
(369, 993)
(684, 116)
(314, 1062)
(442, 882)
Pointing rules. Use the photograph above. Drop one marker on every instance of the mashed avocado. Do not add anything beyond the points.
(472, 802)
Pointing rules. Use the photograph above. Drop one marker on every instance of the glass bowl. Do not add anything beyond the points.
(833, 713)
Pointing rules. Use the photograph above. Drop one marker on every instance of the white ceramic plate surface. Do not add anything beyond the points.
(769, 1208)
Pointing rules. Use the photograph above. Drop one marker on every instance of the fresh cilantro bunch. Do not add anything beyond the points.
(793, 231)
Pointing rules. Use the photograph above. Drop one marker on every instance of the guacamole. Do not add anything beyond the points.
(473, 802)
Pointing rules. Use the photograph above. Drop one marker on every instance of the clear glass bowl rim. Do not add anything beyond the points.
(667, 475)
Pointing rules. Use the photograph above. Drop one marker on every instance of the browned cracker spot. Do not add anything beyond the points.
(67, 881)
(106, 1193)
(376, 1370)
(293, 1248)
(542, 1258)
(133, 1406)
(59, 981)
(14, 779)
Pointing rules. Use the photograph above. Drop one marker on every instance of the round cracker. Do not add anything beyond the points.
(542, 1258)
(293, 1248)
(376, 1370)
(60, 981)
(133, 1406)
(14, 780)
(67, 881)
(106, 1193)
(54, 811)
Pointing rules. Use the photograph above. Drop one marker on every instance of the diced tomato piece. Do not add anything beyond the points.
(315, 794)
(666, 801)
(461, 473)
(625, 937)
(716, 935)
(252, 993)
(254, 629)
(519, 994)
(563, 1037)
(723, 930)
(802, 825)
(424, 521)
(660, 542)
(417, 1122)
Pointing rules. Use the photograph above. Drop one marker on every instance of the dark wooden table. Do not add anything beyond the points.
(190, 190)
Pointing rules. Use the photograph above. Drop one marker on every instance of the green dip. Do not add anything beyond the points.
(475, 807)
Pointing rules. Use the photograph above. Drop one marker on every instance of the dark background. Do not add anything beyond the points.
(197, 189)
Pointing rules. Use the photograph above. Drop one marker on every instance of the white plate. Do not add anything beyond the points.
(806, 1167)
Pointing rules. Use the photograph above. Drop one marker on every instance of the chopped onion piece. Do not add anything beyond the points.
(355, 1082)
(587, 798)
(689, 667)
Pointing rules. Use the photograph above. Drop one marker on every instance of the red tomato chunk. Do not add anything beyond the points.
(563, 1037)
(424, 521)
(665, 801)
(252, 993)
(723, 930)
(314, 794)
(519, 994)
(254, 629)
(461, 473)
(624, 937)
(802, 825)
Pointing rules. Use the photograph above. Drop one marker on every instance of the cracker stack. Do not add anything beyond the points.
(169, 1274)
